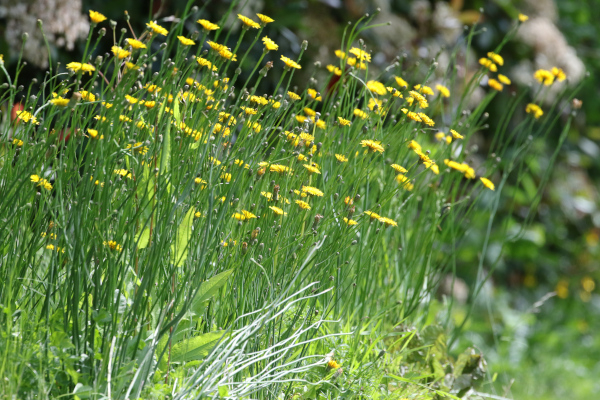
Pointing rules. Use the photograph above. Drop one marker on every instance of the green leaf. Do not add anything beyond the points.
(195, 348)
(142, 238)
(208, 289)
(223, 391)
(179, 249)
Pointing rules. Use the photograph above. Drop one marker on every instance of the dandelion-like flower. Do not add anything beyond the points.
(489, 64)
(401, 82)
(544, 76)
(289, 63)
(341, 158)
(185, 41)
(293, 96)
(399, 168)
(344, 122)
(388, 221)
(311, 169)
(559, 74)
(96, 17)
(207, 25)
(334, 70)
(424, 89)
(264, 19)
(111, 244)
(314, 95)
(60, 102)
(373, 215)
(248, 23)
(456, 135)
(487, 183)
(277, 210)
(26, 116)
(269, 44)
(494, 84)
(376, 87)
(313, 191)
(243, 215)
(76, 67)
(444, 91)
(496, 58)
(303, 205)
(350, 222)
(504, 79)
(534, 109)
(404, 182)
(119, 52)
(360, 54)
(373, 145)
(523, 17)
(157, 28)
(360, 113)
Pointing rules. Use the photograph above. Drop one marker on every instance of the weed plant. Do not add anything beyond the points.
(168, 231)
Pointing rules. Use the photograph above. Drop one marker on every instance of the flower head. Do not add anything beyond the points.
(277, 210)
(313, 191)
(119, 52)
(487, 183)
(504, 79)
(248, 23)
(207, 25)
(96, 17)
(494, 84)
(444, 91)
(350, 221)
(544, 76)
(489, 64)
(341, 158)
(269, 44)
(360, 113)
(290, 63)
(376, 87)
(523, 17)
(388, 221)
(185, 41)
(360, 54)
(372, 145)
(314, 94)
(312, 169)
(76, 67)
(60, 102)
(534, 109)
(26, 116)
(303, 205)
(157, 28)
(264, 19)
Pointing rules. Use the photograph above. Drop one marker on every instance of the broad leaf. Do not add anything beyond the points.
(179, 249)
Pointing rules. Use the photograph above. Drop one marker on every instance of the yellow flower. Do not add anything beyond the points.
(205, 63)
(157, 28)
(123, 172)
(544, 76)
(377, 87)
(424, 89)
(426, 120)
(35, 178)
(360, 114)
(248, 23)
(225, 53)
(76, 67)
(373, 215)
(404, 182)
(401, 82)
(497, 58)
(559, 74)
(111, 244)
(487, 63)
(411, 114)
(388, 221)
(534, 109)
(185, 41)
(456, 135)
(333, 365)
(504, 79)
(303, 205)
(341, 158)
(523, 17)
(119, 52)
(314, 95)
(399, 168)
(313, 191)
(441, 136)
(85, 95)
(350, 221)
(269, 44)
(487, 183)
(26, 116)
(137, 147)
(59, 101)
(311, 169)
(17, 142)
(372, 145)
(243, 216)
(226, 177)
(290, 63)
(419, 98)
(264, 19)
(136, 44)
(96, 17)
(360, 54)
(444, 91)
(344, 122)
(494, 84)
(277, 210)
(461, 167)
(94, 134)
(278, 168)
(293, 96)
(375, 104)
(207, 25)
(334, 70)
(340, 54)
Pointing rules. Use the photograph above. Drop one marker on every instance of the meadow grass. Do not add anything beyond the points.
(167, 230)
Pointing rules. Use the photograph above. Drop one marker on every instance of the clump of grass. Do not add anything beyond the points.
(168, 229)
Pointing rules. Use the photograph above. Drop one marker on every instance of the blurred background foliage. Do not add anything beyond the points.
(537, 313)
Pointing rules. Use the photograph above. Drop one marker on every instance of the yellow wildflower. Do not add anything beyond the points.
(559, 74)
(96, 17)
(376, 87)
(290, 63)
(311, 169)
(456, 135)
(59, 101)
(314, 95)
(136, 44)
(404, 182)
(360, 114)
(360, 54)
(487, 63)
(426, 120)
(269, 44)
(119, 52)
(350, 221)
(504, 79)
(185, 41)
(243, 215)
(399, 168)
(523, 17)
(334, 70)
(487, 183)
(388, 221)
(534, 109)
(313, 191)
(341, 158)
(372, 145)
(444, 91)
(111, 244)
(157, 28)
(373, 215)
(264, 19)
(401, 82)
(424, 89)
(278, 210)
(344, 122)
(293, 96)
(248, 23)
(17, 142)
(497, 58)
(494, 84)
(544, 76)
(26, 116)
(94, 134)
(205, 63)
(303, 205)
(207, 25)
(76, 67)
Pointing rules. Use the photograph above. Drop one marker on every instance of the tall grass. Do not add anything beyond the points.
(193, 239)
